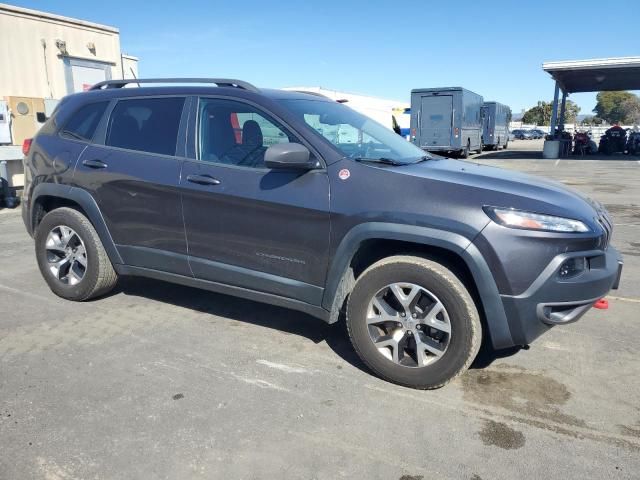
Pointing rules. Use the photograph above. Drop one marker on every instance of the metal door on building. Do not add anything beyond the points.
(82, 74)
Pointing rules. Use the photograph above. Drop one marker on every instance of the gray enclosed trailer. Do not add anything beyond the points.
(495, 125)
(446, 120)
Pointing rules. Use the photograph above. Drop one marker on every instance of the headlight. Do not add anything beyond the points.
(534, 221)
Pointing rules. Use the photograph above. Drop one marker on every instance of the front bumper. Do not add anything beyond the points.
(551, 300)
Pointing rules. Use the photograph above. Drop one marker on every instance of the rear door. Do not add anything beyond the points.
(436, 120)
(133, 172)
(247, 225)
(485, 113)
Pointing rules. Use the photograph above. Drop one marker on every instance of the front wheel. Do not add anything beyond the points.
(71, 257)
(413, 322)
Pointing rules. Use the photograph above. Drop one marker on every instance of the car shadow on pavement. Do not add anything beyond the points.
(243, 310)
(288, 321)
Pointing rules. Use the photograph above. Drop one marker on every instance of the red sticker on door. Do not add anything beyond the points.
(344, 174)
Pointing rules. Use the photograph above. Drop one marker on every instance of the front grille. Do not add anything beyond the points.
(607, 226)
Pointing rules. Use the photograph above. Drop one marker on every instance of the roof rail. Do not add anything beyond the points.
(220, 82)
(315, 94)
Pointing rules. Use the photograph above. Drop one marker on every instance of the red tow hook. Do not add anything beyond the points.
(602, 304)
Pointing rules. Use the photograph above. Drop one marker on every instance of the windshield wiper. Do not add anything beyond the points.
(386, 161)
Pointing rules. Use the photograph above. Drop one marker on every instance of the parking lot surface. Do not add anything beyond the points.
(164, 381)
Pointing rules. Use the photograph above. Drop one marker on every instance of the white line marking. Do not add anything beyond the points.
(260, 383)
(281, 367)
(27, 294)
(557, 162)
(624, 299)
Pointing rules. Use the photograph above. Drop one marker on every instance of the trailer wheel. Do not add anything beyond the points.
(464, 153)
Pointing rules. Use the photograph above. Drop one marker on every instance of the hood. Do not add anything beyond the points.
(499, 187)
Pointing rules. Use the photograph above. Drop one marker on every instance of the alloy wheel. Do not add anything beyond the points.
(66, 255)
(408, 325)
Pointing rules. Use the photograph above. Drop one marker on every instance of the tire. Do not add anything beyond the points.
(439, 285)
(87, 276)
(506, 145)
(464, 153)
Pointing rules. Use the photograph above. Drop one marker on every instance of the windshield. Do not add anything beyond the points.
(354, 134)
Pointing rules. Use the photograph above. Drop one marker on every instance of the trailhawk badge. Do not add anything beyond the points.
(344, 174)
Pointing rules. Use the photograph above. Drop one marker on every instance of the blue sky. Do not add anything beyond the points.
(379, 48)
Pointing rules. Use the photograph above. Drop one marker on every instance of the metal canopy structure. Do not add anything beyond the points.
(603, 74)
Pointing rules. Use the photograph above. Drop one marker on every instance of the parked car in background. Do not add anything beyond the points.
(263, 194)
(537, 133)
(520, 134)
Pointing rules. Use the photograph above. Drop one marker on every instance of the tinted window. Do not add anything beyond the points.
(237, 134)
(84, 122)
(146, 124)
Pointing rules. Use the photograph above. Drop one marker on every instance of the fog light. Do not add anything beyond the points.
(572, 267)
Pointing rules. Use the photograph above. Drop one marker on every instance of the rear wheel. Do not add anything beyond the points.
(412, 321)
(71, 257)
(464, 153)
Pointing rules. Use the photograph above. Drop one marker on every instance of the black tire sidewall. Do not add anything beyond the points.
(441, 285)
(69, 218)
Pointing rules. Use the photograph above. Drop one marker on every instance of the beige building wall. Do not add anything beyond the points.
(46, 56)
(32, 64)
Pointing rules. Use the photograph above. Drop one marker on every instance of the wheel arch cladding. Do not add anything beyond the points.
(341, 277)
(67, 196)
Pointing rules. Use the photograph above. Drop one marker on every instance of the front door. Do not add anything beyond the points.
(133, 172)
(247, 225)
(436, 121)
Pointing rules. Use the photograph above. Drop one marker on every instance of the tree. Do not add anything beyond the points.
(617, 107)
(538, 115)
(589, 120)
(541, 113)
(631, 110)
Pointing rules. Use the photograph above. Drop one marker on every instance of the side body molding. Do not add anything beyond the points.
(340, 273)
(88, 204)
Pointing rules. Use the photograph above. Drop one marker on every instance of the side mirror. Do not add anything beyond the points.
(289, 156)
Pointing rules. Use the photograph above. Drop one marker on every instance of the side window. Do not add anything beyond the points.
(83, 123)
(235, 133)
(146, 124)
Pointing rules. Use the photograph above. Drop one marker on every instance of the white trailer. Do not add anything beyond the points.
(393, 114)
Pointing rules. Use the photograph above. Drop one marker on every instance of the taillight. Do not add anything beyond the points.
(26, 146)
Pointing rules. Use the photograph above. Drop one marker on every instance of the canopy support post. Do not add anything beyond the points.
(563, 109)
(554, 112)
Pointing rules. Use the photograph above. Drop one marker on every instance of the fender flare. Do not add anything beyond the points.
(340, 274)
(87, 203)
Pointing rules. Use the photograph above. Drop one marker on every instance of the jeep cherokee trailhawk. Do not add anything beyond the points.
(296, 200)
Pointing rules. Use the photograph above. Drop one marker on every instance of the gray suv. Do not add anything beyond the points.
(296, 200)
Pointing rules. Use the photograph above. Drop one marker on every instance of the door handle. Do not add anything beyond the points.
(94, 164)
(203, 179)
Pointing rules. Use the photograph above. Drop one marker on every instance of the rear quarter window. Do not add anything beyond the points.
(83, 123)
(146, 125)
